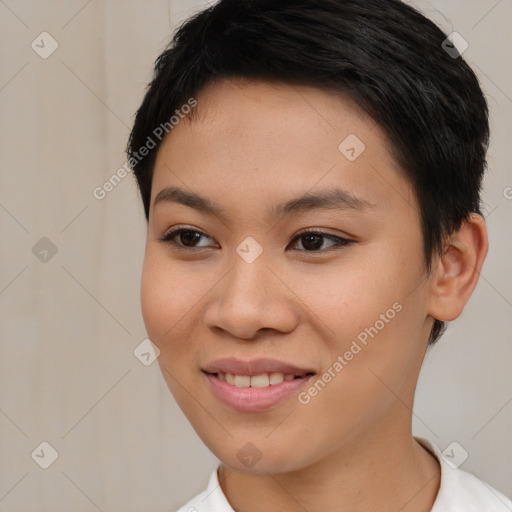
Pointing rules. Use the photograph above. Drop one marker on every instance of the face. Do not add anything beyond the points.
(344, 306)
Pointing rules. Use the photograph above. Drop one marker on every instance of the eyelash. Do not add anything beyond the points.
(341, 242)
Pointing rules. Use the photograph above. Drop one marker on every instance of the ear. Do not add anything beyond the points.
(456, 272)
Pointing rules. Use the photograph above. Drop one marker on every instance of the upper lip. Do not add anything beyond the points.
(253, 367)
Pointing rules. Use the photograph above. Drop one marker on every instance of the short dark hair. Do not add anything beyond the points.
(385, 55)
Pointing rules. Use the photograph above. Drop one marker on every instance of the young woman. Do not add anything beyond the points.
(310, 172)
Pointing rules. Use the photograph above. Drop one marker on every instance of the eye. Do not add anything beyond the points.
(187, 238)
(313, 240)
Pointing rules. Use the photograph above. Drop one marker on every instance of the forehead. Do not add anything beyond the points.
(256, 142)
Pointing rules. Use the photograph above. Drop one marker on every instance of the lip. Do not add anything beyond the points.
(254, 399)
(254, 367)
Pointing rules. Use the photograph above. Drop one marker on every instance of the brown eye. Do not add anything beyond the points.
(313, 241)
(185, 238)
(189, 238)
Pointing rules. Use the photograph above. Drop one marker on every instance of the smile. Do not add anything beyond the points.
(255, 393)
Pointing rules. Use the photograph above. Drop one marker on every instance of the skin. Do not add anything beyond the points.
(253, 145)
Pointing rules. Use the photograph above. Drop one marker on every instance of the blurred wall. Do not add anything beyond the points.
(70, 268)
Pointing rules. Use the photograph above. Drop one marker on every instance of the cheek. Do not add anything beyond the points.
(172, 295)
(168, 297)
(155, 306)
(169, 294)
(374, 322)
(352, 295)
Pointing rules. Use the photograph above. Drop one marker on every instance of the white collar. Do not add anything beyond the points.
(461, 491)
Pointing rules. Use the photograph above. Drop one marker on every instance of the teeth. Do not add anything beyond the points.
(262, 380)
(277, 378)
(242, 381)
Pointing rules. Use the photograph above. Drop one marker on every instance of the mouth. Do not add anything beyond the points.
(254, 386)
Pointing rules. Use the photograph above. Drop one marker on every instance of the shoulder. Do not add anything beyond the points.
(461, 491)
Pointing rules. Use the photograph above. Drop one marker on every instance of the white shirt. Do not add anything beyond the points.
(459, 491)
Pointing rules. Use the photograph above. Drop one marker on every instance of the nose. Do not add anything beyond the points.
(252, 297)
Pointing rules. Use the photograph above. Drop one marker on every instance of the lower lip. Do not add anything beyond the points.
(254, 399)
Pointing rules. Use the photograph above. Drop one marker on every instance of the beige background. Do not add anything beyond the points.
(69, 325)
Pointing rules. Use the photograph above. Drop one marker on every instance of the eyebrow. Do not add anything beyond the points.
(328, 199)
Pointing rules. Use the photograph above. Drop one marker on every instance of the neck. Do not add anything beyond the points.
(388, 471)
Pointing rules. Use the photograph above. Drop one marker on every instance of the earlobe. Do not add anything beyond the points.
(456, 272)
